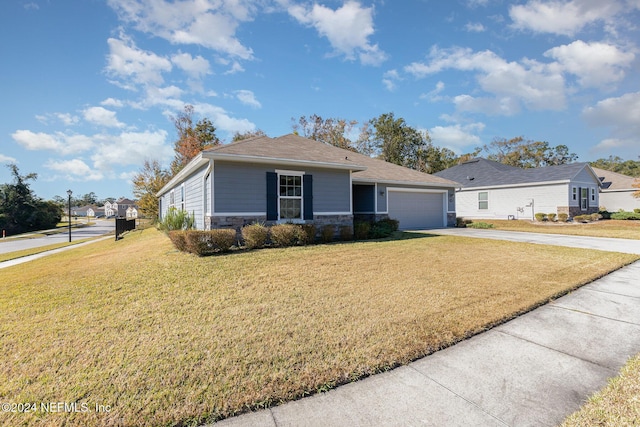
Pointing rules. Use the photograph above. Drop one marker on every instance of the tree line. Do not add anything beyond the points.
(387, 137)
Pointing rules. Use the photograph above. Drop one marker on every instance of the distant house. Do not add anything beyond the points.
(492, 190)
(295, 179)
(131, 213)
(84, 211)
(122, 207)
(110, 210)
(616, 191)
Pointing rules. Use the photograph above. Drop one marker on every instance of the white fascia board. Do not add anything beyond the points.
(391, 182)
(192, 166)
(526, 184)
(281, 161)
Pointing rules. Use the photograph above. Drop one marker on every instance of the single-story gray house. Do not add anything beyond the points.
(616, 191)
(493, 190)
(295, 179)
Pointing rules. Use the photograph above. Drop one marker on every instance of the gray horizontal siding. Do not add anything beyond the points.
(194, 196)
(242, 188)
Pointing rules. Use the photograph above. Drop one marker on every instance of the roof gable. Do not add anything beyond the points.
(614, 181)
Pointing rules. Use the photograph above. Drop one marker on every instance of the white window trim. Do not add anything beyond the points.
(282, 172)
(585, 198)
(483, 209)
(574, 193)
(183, 197)
(172, 199)
(593, 194)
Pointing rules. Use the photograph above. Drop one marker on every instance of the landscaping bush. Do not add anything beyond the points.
(540, 216)
(563, 217)
(255, 235)
(346, 233)
(178, 239)
(361, 230)
(283, 235)
(480, 225)
(636, 210)
(203, 243)
(462, 223)
(626, 215)
(551, 217)
(582, 218)
(327, 233)
(307, 234)
(605, 214)
(176, 219)
(383, 228)
(595, 217)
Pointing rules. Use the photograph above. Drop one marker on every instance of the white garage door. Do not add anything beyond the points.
(416, 210)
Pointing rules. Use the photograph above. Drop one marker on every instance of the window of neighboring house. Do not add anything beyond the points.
(593, 195)
(182, 197)
(290, 196)
(483, 200)
(574, 193)
(584, 199)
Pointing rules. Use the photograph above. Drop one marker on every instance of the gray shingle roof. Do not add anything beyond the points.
(487, 173)
(296, 148)
(613, 180)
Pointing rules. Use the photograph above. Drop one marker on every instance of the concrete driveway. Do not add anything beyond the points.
(532, 371)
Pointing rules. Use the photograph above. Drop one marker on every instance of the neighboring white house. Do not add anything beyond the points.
(616, 192)
(131, 213)
(492, 190)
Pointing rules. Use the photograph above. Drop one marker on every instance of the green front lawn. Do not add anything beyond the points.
(623, 229)
(166, 338)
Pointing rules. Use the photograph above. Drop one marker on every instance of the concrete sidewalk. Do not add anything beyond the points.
(22, 260)
(532, 371)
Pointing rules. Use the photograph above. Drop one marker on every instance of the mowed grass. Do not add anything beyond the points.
(166, 338)
(621, 229)
(617, 405)
(32, 251)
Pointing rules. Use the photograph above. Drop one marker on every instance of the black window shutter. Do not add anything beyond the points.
(307, 188)
(272, 196)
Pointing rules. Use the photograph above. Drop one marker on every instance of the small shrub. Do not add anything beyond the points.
(283, 235)
(176, 219)
(327, 233)
(636, 210)
(361, 230)
(480, 225)
(626, 215)
(582, 218)
(178, 239)
(346, 233)
(540, 216)
(605, 214)
(203, 243)
(595, 217)
(461, 222)
(383, 228)
(563, 217)
(551, 217)
(255, 235)
(307, 234)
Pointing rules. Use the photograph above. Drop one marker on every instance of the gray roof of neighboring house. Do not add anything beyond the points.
(481, 172)
(615, 181)
(295, 150)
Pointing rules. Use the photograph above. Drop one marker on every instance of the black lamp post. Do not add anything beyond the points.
(69, 193)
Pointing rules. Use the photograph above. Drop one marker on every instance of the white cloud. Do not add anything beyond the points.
(129, 148)
(347, 28)
(390, 78)
(622, 115)
(527, 83)
(456, 137)
(211, 24)
(235, 68)
(563, 17)
(7, 159)
(247, 97)
(475, 27)
(74, 170)
(222, 120)
(59, 142)
(111, 102)
(102, 117)
(66, 118)
(434, 95)
(133, 66)
(596, 64)
(196, 68)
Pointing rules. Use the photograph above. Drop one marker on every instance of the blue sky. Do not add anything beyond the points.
(87, 87)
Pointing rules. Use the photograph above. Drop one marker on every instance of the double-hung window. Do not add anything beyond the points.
(574, 193)
(290, 196)
(593, 195)
(584, 198)
(483, 200)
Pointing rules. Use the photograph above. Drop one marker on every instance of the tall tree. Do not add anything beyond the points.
(146, 184)
(246, 135)
(527, 153)
(21, 210)
(192, 139)
(619, 165)
(332, 131)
